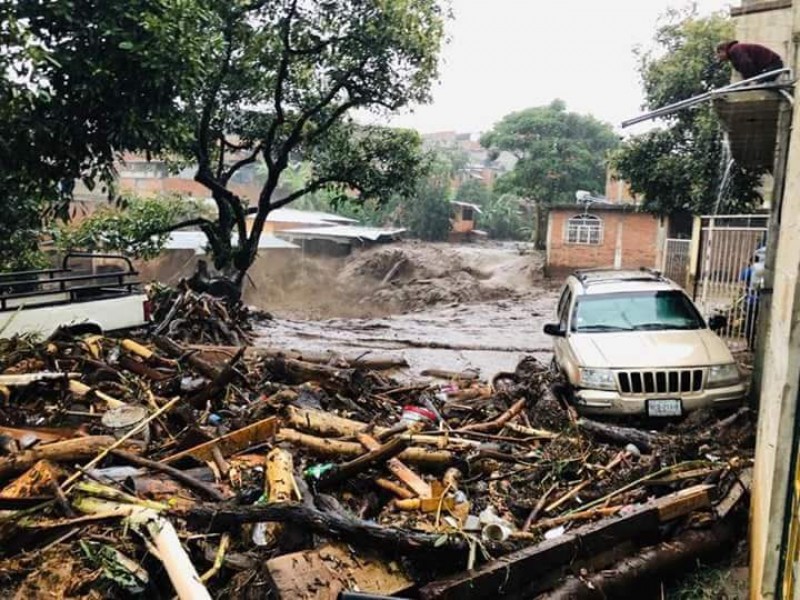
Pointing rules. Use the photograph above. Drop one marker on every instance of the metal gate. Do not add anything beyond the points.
(675, 260)
(726, 249)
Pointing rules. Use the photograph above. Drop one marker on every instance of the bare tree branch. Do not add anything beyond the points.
(309, 189)
(250, 159)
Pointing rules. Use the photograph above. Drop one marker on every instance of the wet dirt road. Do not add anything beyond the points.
(488, 336)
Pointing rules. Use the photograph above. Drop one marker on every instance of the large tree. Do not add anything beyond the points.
(558, 153)
(227, 84)
(681, 165)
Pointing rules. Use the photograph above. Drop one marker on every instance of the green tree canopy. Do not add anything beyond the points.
(224, 85)
(680, 166)
(473, 191)
(558, 153)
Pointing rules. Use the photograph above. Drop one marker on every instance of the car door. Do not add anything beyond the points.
(560, 347)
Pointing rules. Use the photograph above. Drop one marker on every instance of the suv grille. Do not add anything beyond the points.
(660, 382)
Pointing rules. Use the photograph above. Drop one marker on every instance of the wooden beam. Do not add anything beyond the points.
(231, 443)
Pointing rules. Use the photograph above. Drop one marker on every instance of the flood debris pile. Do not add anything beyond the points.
(199, 317)
(132, 467)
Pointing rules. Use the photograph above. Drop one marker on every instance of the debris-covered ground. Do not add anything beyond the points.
(147, 466)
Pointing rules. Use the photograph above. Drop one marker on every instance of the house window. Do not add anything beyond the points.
(585, 229)
(467, 214)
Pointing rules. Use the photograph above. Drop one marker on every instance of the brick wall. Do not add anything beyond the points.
(633, 235)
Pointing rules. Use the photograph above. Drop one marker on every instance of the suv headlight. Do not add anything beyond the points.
(598, 379)
(722, 375)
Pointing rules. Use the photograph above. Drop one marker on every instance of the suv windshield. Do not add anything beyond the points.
(637, 311)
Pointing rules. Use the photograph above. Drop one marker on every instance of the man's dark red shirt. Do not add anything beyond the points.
(753, 59)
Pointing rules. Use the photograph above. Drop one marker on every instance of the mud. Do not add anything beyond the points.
(447, 307)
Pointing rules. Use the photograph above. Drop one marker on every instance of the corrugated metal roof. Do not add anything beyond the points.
(307, 217)
(474, 207)
(196, 240)
(351, 232)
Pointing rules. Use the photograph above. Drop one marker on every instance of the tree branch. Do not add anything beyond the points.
(310, 188)
(239, 164)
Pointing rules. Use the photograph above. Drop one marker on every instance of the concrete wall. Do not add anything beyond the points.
(765, 22)
(630, 240)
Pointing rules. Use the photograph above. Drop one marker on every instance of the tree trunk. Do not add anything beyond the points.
(540, 226)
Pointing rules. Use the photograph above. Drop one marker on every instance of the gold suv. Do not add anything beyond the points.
(633, 343)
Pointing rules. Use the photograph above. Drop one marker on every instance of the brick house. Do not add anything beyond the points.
(605, 235)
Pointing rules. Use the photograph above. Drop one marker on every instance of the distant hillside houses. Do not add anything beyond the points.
(479, 163)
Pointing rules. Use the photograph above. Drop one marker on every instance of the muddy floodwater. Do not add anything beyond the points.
(487, 336)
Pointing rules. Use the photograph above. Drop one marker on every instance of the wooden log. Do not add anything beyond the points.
(335, 448)
(394, 488)
(620, 435)
(81, 390)
(352, 468)
(637, 575)
(498, 423)
(279, 486)
(371, 362)
(331, 524)
(136, 348)
(76, 449)
(219, 383)
(325, 424)
(299, 371)
(178, 352)
(231, 443)
(399, 469)
(323, 573)
(450, 375)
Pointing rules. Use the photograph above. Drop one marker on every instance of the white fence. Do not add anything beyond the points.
(725, 250)
(675, 260)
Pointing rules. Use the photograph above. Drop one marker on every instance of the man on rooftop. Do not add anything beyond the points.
(750, 59)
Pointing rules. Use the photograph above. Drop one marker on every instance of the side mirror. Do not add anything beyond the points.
(717, 323)
(554, 329)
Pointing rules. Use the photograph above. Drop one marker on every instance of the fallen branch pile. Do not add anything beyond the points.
(199, 318)
(134, 467)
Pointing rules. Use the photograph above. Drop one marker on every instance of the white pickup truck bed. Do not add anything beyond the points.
(38, 302)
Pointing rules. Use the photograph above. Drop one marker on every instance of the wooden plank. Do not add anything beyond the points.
(323, 573)
(398, 468)
(683, 502)
(36, 481)
(231, 443)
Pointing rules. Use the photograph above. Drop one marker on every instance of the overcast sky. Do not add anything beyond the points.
(506, 55)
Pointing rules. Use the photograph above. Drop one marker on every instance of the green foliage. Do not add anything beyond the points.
(503, 219)
(221, 84)
(473, 191)
(681, 166)
(137, 227)
(427, 215)
(559, 152)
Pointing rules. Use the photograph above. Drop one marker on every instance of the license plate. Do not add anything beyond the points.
(667, 407)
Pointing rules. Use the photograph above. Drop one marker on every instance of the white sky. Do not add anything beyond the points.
(506, 55)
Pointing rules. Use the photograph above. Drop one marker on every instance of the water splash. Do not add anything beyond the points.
(725, 166)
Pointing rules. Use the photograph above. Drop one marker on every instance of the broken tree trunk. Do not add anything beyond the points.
(631, 576)
(620, 435)
(350, 529)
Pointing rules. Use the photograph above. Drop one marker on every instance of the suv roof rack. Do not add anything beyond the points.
(643, 274)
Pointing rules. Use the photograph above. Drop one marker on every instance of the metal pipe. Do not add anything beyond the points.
(694, 100)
